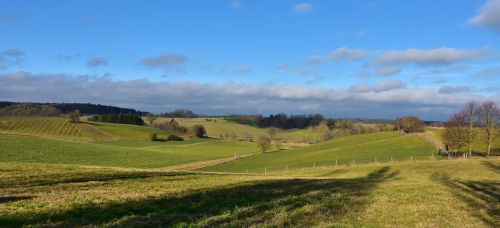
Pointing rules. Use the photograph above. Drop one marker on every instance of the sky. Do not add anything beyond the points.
(342, 58)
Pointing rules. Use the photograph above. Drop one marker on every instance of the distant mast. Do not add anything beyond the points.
(260, 110)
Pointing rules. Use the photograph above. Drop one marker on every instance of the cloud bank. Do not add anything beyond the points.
(385, 99)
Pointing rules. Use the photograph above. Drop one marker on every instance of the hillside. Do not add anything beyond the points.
(376, 147)
(52, 127)
(218, 126)
(131, 154)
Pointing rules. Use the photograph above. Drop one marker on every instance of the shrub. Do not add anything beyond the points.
(174, 138)
(264, 143)
(198, 130)
(153, 136)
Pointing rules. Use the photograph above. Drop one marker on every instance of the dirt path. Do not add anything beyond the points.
(432, 140)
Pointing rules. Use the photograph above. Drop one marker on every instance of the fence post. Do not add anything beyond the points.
(336, 161)
(286, 167)
(375, 159)
(314, 164)
(392, 160)
(265, 170)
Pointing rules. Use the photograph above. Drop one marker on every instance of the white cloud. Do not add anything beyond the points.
(385, 99)
(97, 62)
(171, 61)
(386, 85)
(359, 88)
(489, 15)
(435, 56)
(13, 53)
(302, 8)
(455, 89)
(314, 59)
(388, 71)
(347, 53)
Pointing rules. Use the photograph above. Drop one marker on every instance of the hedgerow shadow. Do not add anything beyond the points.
(284, 202)
(482, 197)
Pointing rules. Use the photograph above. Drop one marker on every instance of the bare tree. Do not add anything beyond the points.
(489, 114)
(469, 113)
(74, 116)
(271, 132)
(455, 133)
(264, 143)
(151, 119)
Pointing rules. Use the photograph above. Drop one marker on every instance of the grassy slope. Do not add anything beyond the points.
(51, 127)
(133, 132)
(423, 193)
(361, 148)
(221, 127)
(28, 149)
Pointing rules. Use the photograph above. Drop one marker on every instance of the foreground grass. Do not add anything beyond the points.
(27, 149)
(431, 194)
(376, 147)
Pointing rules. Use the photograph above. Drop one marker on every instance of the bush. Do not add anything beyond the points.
(174, 138)
(198, 130)
(153, 136)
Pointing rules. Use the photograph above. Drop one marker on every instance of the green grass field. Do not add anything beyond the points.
(27, 149)
(416, 194)
(376, 147)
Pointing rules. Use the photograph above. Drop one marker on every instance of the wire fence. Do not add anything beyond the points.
(342, 163)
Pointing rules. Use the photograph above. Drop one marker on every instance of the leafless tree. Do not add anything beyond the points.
(469, 113)
(151, 119)
(455, 133)
(264, 143)
(489, 114)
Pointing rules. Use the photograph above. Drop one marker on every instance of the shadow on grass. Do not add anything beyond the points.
(56, 179)
(492, 166)
(9, 199)
(284, 202)
(482, 197)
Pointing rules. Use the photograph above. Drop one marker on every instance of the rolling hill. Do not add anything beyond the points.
(376, 147)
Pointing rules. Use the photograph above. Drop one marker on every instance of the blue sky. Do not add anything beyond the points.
(340, 58)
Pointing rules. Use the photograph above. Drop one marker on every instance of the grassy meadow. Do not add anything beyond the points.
(348, 150)
(419, 193)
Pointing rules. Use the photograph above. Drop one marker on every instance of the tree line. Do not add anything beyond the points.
(118, 118)
(463, 127)
(40, 109)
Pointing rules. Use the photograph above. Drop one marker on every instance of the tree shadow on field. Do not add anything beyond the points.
(284, 202)
(104, 177)
(492, 166)
(482, 197)
(9, 199)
